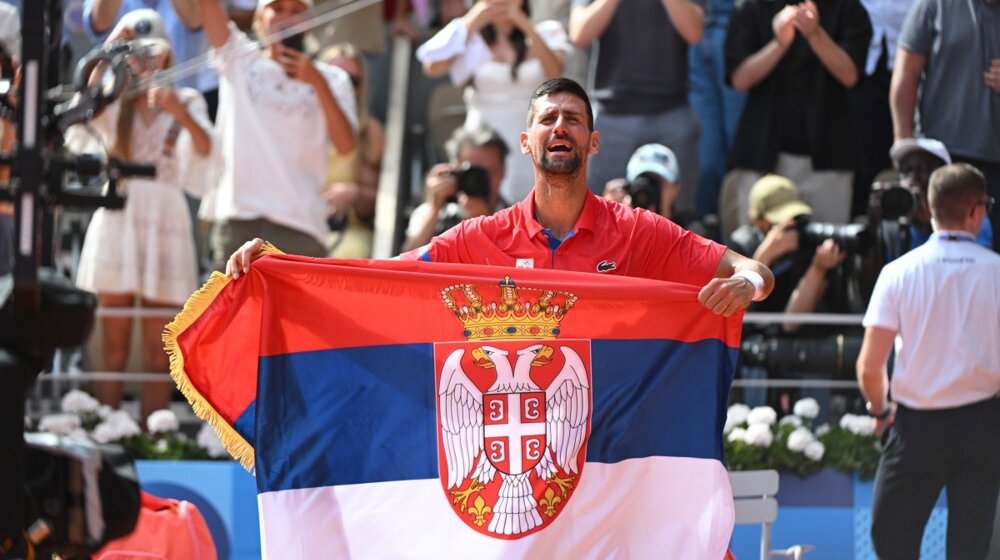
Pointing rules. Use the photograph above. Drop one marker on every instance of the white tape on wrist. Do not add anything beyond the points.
(756, 280)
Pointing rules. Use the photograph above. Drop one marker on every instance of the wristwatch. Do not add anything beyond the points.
(885, 413)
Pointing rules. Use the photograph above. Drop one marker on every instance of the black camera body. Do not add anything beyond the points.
(855, 239)
(473, 180)
(892, 201)
(644, 191)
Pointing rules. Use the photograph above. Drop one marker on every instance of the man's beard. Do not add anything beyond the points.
(562, 166)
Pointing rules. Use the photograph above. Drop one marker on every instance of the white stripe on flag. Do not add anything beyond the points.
(655, 507)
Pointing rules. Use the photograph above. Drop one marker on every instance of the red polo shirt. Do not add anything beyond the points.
(609, 238)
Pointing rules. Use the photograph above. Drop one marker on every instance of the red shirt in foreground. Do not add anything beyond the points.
(609, 238)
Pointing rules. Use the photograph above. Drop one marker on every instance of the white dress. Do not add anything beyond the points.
(146, 248)
(494, 98)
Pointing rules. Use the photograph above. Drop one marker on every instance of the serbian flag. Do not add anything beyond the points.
(418, 410)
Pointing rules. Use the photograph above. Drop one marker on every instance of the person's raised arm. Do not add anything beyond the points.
(738, 282)
(552, 62)
(903, 91)
(103, 15)
(873, 378)
(760, 64)
(687, 17)
(587, 23)
(480, 15)
(215, 20)
(833, 57)
(189, 13)
(300, 67)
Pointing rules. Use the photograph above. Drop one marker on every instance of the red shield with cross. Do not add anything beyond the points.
(514, 430)
(499, 402)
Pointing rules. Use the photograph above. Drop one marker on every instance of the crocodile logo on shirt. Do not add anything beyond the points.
(605, 266)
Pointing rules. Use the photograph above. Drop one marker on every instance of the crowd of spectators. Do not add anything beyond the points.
(745, 120)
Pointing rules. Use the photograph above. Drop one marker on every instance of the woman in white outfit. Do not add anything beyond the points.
(501, 56)
(145, 253)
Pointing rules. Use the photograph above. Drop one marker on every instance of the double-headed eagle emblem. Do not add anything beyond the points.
(514, 409)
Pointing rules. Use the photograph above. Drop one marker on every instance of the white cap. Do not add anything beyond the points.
(147, 27)
(906, 146)
(653, 158)
(261, 4)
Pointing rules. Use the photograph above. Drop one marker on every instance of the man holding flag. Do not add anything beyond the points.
(461, 409)
(560, 225)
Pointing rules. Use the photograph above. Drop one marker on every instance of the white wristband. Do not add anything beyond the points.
(756, 280)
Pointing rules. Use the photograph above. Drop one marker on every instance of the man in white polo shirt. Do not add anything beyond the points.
(940, 303)
(279, 113)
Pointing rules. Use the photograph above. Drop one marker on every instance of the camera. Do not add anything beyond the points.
(644, 191)
(852, 238)
(892, 201)
(473, 180)
(832, 355)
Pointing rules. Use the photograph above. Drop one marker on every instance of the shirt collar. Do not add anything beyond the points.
(587, 219)
(952, 235)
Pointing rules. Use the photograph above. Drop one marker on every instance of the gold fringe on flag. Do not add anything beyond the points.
(200, 300)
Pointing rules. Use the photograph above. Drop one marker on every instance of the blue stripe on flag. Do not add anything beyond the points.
(244, 424)
(325, 419)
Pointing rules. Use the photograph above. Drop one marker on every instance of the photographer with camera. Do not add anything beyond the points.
(781, 236)
(915, 159)
(653, 182)
(774, 237)
(939, 305)
(466, 187)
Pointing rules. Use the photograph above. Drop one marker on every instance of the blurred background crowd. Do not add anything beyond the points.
(799, 133)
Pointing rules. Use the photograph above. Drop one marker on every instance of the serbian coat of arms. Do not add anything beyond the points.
(514, 409)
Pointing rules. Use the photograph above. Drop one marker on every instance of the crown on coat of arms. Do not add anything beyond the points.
(510, 317)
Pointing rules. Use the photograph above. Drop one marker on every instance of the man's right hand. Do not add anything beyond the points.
(440, 185)
(239, 262)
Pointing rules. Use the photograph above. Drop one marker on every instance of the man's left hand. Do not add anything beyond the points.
(298, 65)
(725, 296)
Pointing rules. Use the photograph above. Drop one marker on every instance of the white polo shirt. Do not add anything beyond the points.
(943, 301)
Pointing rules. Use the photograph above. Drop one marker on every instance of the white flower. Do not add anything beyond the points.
(78, 402)
(210, 442)
(59, 424)
(104, 433)
(822, 430)
(858, 425)
(759, 435)
(799, 439)
(118, 425)
(162, 422)
(790, 420)
(738, 412)
(103, 411)
(806, 408)
(161, 446)
(762, 415)
(814, 450)
(738, 434)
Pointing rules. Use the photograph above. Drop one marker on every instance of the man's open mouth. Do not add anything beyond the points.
(560, 147)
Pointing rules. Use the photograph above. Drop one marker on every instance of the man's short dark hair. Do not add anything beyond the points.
(954, 190)
(561, 85)
(481, 137)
